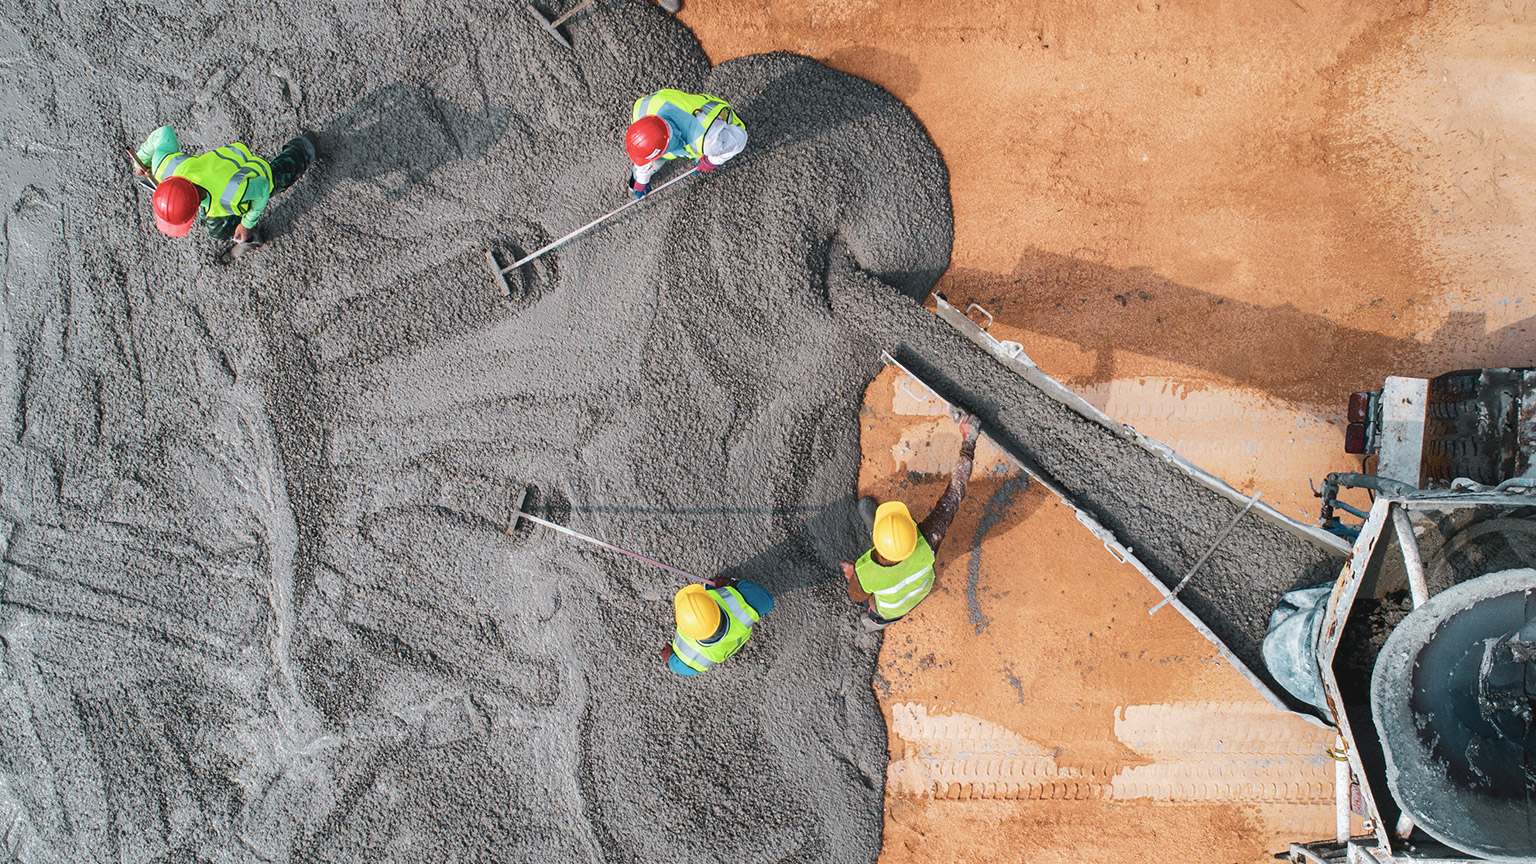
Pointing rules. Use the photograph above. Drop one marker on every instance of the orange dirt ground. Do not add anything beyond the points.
(1214, 220)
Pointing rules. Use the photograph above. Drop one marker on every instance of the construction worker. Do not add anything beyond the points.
(228, 187)
(897, 573)
(670, 124)
(713, 623)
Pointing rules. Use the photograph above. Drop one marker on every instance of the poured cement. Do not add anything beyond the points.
(257, 605)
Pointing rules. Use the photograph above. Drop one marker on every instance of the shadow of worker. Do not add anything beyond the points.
(810, 552)
(787, 101)
(402, 129)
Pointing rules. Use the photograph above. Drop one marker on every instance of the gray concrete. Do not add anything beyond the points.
(255, 605)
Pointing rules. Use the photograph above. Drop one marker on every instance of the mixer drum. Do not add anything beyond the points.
(1453, 696)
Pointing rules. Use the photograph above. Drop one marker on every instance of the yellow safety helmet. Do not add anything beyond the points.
(698, 615)
(895, 533)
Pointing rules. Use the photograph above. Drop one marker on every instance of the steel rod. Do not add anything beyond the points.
(1341, 792)
(1413, 562)
(1214, 546)
(563, 18)
(593, 224)
(596, 542)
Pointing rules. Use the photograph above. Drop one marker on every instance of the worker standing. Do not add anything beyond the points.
(670, 124)
(229, 187)
(897, 573)
(713, 623)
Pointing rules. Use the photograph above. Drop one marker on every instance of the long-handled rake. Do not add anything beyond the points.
(501, 272)
(519, 514)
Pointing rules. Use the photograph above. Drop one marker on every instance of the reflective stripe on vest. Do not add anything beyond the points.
(168, 164)
(892, 597)
(733, 606)
(685, 650)
(246, 167)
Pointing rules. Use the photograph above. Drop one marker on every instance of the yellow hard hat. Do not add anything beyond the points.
(895, 532)
(698, 615)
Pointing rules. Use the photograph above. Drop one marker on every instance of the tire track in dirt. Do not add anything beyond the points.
(1229, 752)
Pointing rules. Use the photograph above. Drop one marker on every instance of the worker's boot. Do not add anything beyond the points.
(867, 508)
(296, 157)
(871, 624)
(306, 146)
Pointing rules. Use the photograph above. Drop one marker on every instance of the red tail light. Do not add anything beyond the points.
(1359, 406)
(1354, 438)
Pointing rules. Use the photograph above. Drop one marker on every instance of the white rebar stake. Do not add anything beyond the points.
(1413, 562)
(1214, 546)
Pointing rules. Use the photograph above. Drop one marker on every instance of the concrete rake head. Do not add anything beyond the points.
(553, 26)
(671, 6)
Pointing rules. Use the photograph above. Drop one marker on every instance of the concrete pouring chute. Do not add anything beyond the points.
(1151, 508)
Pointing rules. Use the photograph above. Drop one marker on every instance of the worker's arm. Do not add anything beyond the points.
(640, 175)
(160, 144)
(721, 142)
(856, 592)
(937, 524)
(257, 192)
(756, 596)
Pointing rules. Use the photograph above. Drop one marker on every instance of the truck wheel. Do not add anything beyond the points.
(1484, 547)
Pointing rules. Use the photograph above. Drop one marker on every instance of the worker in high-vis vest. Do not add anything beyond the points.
(895, 575)
(228, 187)
(713, 622)
(671, 124)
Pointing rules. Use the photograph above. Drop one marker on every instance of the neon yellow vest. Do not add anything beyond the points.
(899, 588)
(221, 174)
(690, 113)
(741, 616)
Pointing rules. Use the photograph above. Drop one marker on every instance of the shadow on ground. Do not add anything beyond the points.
(1284, 351)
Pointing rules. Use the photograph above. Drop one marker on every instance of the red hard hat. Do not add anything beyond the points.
(646, 139)
(175, 203)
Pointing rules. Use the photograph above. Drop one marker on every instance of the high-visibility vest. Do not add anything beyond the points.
(741, 615)
(222, 174)
(898, 588)
(688, 115)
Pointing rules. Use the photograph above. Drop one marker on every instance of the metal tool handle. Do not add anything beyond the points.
(596, 542)
(1214, 545)
(976, 307)
(593, 224)
(146, 182)
(915, 398)
(577, 8)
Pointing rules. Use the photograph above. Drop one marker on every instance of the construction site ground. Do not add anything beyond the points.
(1214, 221)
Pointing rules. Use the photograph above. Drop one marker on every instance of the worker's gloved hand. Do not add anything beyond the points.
(666, 653)
(639, 189)
(970, 430)
(720, 582)
(705, 165)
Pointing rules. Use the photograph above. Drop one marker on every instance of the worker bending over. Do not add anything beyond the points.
(229, 187)
(897, 573)
(670, 124)
(713, 623)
